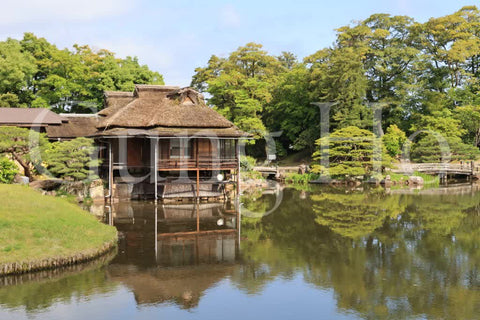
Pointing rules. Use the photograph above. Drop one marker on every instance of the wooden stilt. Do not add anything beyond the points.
(155, 167)
(198, 216)
(156, 231)
(237, 154)
(110, 171)
(198, 185)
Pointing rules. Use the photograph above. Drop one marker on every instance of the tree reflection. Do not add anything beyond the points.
(385, 256)
(356, 214)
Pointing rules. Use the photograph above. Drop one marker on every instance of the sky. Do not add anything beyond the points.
(175, 37)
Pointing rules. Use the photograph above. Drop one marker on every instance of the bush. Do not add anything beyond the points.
(72, 159)
(247, 163)
(8, 170)
(255, 175)
(350, 152)
(427, 149)
(297, 178)
(394, 140)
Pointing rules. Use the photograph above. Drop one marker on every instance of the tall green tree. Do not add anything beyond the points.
(338, 75)
(35, 73)
(440, 139)
(16, 71)
(241, 85)
(291, 111)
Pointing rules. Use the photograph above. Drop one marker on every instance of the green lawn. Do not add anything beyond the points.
(35, 227)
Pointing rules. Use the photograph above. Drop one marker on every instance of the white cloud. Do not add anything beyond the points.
(22, 11)
(229, 17)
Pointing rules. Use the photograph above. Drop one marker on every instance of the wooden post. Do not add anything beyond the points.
(197, 209)
(239, 223)
(155, 168)
(198, 185)
(237, 154)
(196, 152)
(110, 171)
(110, 215)
(156, 231)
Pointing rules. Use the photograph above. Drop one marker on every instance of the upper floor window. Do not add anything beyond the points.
(181, 148)
(227, 149)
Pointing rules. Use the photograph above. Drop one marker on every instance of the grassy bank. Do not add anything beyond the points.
(38, 232)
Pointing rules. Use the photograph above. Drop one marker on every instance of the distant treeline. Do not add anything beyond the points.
(35, 73)
(423, 76)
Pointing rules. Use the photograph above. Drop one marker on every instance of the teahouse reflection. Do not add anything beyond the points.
(200, 240)
(165, 234)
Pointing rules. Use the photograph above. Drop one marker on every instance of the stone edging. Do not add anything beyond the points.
(56, 262)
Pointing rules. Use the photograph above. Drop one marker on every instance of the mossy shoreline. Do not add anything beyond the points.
(39, 232)
(55, 262)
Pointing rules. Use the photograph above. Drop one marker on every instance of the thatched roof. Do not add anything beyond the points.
(115, 100)
(183, 286)
(28, 117)
(74, 126)
(154, 106)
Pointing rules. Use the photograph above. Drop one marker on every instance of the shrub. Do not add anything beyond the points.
(72, 159)
(8, 170)
(255, 175)
(394, 140)
(247, 163)
(351, 151)
(297, 178)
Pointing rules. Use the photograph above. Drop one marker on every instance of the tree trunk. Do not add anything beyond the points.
(25, 166)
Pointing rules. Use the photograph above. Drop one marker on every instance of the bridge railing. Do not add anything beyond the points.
(463, 168)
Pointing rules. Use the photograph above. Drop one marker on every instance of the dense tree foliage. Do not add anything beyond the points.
(416, 76)
(383, 72)
(394, 140)
(241, 85)
(24, 146)
(351, 151)
(72, 159)
(35, 73)
(8, 170)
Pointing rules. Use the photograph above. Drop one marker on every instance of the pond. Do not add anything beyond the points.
(320, 252)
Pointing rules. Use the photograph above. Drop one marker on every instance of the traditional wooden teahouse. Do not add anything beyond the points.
(160, 142)
(165, 142)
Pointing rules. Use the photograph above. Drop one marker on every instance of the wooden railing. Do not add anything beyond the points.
(201, 163)
(450, 168)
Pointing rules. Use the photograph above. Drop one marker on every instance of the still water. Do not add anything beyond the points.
(324, 253)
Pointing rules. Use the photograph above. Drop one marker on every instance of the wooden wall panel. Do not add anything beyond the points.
(163, 149)
(134, 152)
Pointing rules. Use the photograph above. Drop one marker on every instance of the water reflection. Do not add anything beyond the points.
(359, 253)
(38, 291)
(173, 252)
(171, 235)
(385, 256)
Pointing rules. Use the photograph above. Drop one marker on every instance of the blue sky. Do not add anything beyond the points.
(175, 37)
